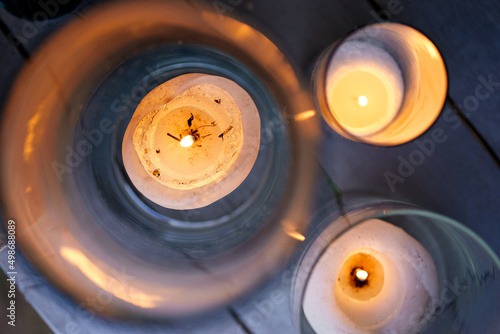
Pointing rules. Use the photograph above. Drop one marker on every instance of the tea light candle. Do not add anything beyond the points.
(374, 278)
(192, 141)
(364, 87)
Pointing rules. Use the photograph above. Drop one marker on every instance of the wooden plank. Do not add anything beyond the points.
(467, 33)
(11, 63)
(32, 33)
(302, 29)
(267, 309)
(302, 38)
(65, 316)
(445, 170)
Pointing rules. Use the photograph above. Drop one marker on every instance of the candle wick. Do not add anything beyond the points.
(362, 100)
(190, 120)
(172, 136)
(188, 141)
(223, 133)
(361, 275)
(202, 126)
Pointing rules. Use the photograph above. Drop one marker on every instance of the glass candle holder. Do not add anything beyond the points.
(80, 219)
(380, 266)
(384, 84)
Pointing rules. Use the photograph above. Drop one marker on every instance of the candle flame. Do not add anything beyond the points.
(188, 141)
(361, 275)
(362, 100)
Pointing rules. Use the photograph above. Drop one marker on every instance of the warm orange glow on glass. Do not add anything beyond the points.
(296, 235)
(104, 280)
(304, 115)
(290, 228)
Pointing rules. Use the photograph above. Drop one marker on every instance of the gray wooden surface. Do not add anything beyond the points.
(467, 33)
(459, 178)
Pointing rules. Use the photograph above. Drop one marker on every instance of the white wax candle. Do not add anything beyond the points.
(191, 141)
(364, 87)
(400, 285)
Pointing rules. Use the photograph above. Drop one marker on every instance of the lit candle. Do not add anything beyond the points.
(374, 278)
(192, 141)
(364, 87)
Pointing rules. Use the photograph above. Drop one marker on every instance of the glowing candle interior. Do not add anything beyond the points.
(192, 141)
(364, 87)
(374, 278)
(188, 141)
(361, 275)
(362, 101)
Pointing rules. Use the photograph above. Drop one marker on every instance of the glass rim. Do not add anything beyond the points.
(318, 88)
(323, 218)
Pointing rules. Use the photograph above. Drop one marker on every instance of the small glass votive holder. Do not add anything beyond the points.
(384, 84)
(443, 279)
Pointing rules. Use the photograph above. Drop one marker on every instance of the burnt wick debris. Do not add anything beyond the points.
(172, 136)
(226, 131)
(218, 101)
(190, 120)
(157, 151)
(156, 172)
(202, 126)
